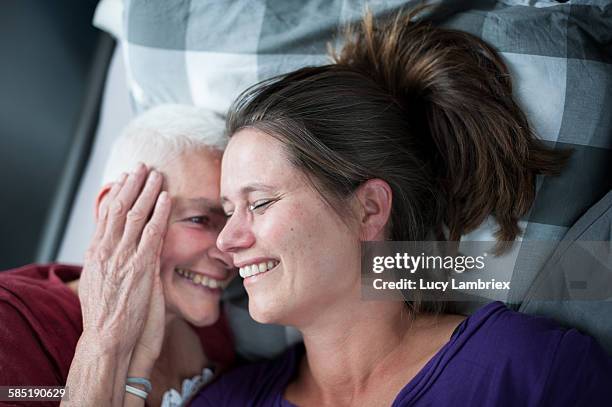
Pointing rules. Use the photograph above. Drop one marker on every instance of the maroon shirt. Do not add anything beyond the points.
(40, 324)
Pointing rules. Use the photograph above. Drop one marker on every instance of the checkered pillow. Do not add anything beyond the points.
(560, 56)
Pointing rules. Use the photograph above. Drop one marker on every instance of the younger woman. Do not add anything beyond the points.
(412, 133)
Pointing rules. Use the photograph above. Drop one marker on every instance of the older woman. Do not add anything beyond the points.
(40, 311)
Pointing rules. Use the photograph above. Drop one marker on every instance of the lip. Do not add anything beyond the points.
(256, 277)
(213, 276)
(255, 260)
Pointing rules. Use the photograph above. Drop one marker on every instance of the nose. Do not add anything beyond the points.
(236, 235)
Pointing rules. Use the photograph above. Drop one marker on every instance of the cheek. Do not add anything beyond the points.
(171, 249)
(179, 246)
(328, 248)
(306, 235)
(282, 229)
(182, 244)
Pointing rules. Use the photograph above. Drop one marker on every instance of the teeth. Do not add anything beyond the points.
(250, 270)
(202, 279)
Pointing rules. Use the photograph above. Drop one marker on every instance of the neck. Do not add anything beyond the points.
(181, 354)
(364, 345)
(347, 349)
(181, 357)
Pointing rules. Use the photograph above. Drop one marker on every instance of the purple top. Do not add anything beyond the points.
(496, 357)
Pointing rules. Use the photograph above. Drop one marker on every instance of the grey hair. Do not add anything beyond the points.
(161, 134)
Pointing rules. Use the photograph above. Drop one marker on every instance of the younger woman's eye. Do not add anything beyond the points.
(261, 204)
(228, 212)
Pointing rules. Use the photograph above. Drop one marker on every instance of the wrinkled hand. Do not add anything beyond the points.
(122, 265)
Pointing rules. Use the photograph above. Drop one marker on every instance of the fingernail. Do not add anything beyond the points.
(163, 197)
(154, 175)
(122, 177)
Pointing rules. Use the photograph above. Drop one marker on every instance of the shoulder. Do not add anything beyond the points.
(39, 279)
(535, 353)
(260, 383)
(511, 334)
(498, 333)
(581, 361)
(40, 294)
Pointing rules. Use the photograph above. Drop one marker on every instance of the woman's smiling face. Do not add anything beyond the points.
(193, 270)
(297, 256)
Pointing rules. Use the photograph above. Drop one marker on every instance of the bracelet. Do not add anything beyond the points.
(142, 381)
(137, 392)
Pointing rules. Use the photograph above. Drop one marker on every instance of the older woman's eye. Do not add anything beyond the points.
(199, 220)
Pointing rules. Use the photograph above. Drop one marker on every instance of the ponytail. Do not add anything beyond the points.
(457, 90)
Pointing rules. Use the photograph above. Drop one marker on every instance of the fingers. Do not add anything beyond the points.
(121, 204)
(103, 210)
(111, 195)
(138, 215)
(153, 234)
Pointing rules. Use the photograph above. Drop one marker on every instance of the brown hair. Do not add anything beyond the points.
(427, 109)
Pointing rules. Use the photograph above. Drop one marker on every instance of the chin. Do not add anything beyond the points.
(196, 314)
(199, 315)
(266, 313)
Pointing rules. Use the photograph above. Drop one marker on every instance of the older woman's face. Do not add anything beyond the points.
(194, 271)
(296, 256)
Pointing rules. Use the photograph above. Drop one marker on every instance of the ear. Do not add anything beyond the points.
(375, 198)
(100, 198)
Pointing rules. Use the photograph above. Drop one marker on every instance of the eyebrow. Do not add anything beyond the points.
(255, 186)
(205, 204)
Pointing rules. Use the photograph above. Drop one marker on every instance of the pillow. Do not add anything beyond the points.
(575, 286)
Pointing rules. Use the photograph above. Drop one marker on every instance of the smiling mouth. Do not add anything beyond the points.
(201, 279)
(258, 268)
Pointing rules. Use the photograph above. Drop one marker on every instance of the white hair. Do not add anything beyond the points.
(161, 134)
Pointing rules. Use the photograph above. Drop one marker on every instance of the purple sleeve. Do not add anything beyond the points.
(581, 373)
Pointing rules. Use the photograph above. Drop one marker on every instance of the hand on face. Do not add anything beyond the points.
(120, 288)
